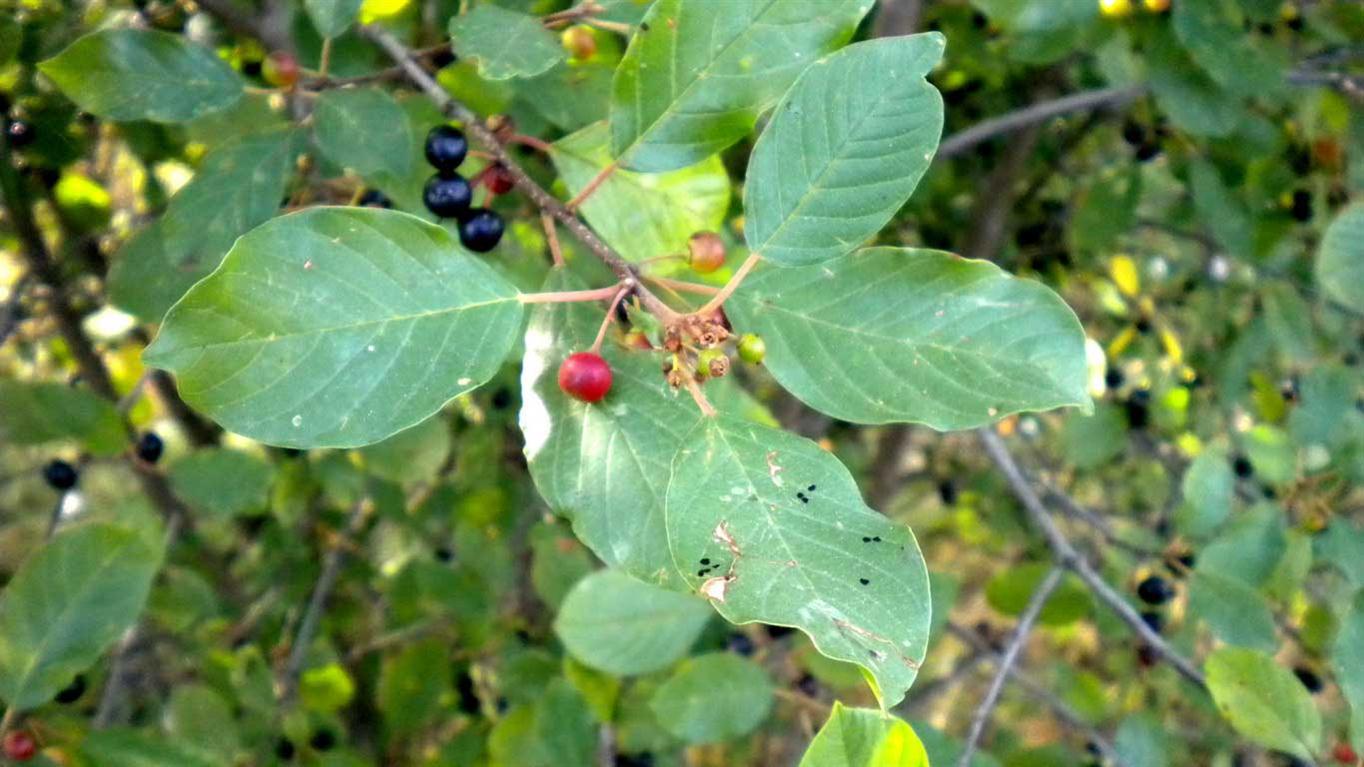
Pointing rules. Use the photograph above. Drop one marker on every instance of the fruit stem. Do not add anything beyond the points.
(609, 26)
(684, 286)
(699, 396)
(570, 296)
(8, 720)
(731, 286)
(532, 142)
(592, 185)
(610, 315)
(552, 235)
(559, 19)
(325, 58)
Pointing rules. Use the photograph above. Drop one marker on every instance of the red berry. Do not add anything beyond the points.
(1344, 754)
(498, 179)
(20, 746)
(585, 376)
(280, 69)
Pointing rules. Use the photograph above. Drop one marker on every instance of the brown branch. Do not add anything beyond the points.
(624, 270)
(1101, 98)
(1067, 556)
(1007, 660)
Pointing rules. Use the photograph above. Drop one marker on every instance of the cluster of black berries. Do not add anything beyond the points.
(18, 134)
(449, 195)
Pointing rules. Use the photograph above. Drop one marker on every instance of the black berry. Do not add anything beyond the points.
(1138, 414)
(740, 644)
(323, 740)
(284, 749)
(1302, 203)
(447, 197)
(468, 695)
(1133, 133)
(947, 491)
(20, 134)
(1148, 151)
(72, 692)
(643, 759)
(480, 230)
(777, 632)
(1154, 590)
(1143, 326)
(373, 198)
(1309, 679)
(1113, 378)
(150, 447)
(1154, 620)
(446, 148)
(1242, 467)
(60, 475)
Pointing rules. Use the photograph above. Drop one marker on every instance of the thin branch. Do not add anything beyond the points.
(312, 617)
(1067, 556)
(1007, 660)
(1101, 98)
(571, 296)
(537, 194)
(734, 282)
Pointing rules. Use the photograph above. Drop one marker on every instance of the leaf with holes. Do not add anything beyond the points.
(859, 737)
(887, 335)
(505, 44)
(643, 215)
(844, 150)
(337, 327)
(1340, 258)
(67, 603)
(698, 73)
(139, 74)
(771, 528)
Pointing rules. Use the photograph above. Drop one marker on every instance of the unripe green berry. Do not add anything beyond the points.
(752, 349)
(712, 363)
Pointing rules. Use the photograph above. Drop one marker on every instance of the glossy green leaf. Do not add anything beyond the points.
(1347, 660)
(221, 481)
(505, 44)
(133, 748)
(139, 74)
(859, 737)
(844, 150)
(332, 17)
(237, 187)
(698, 73)
(614, 623)
(771, 528)
(365, 130)
(604, 466)
(1214, 35)
(1264, 701)
(68, 602)
(713, 697)
(887, 335)
(1340, 258)
(1208, 488)
(337, 327)
(1235, 612)
(37, 412)
(643, 215)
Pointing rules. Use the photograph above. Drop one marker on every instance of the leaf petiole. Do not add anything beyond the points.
(570, 296)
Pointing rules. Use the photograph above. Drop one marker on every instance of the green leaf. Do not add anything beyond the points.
(505, 44)
(713, 697)
(1142, 741)
(1221, 211)
(1011, 589)
(1290, 321)
(859, 737)
(412, 455)
(132, 748)
(614, 623)
(197, 714)
(1214, 35)
(1347, 659)
(68, 602)
(1208, 489)
(886, 335)
(332, 17)
(411, 684)
(1105, 210)
(38, 412)
(564, 724)
(221, 481)
(337, 327)
(643, 215)
(844, 150)
(1090, 441)
(697, 73)
(1340, 259)
(1191, 100)
(138, 74)
(1342, 545)
(790, 542)
(1235, 612)
(1264, 701)
(365, 130)
(237, 187)
(603, 466)
(1249, 548)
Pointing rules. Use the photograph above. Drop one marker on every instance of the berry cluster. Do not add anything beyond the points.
(450, 195)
